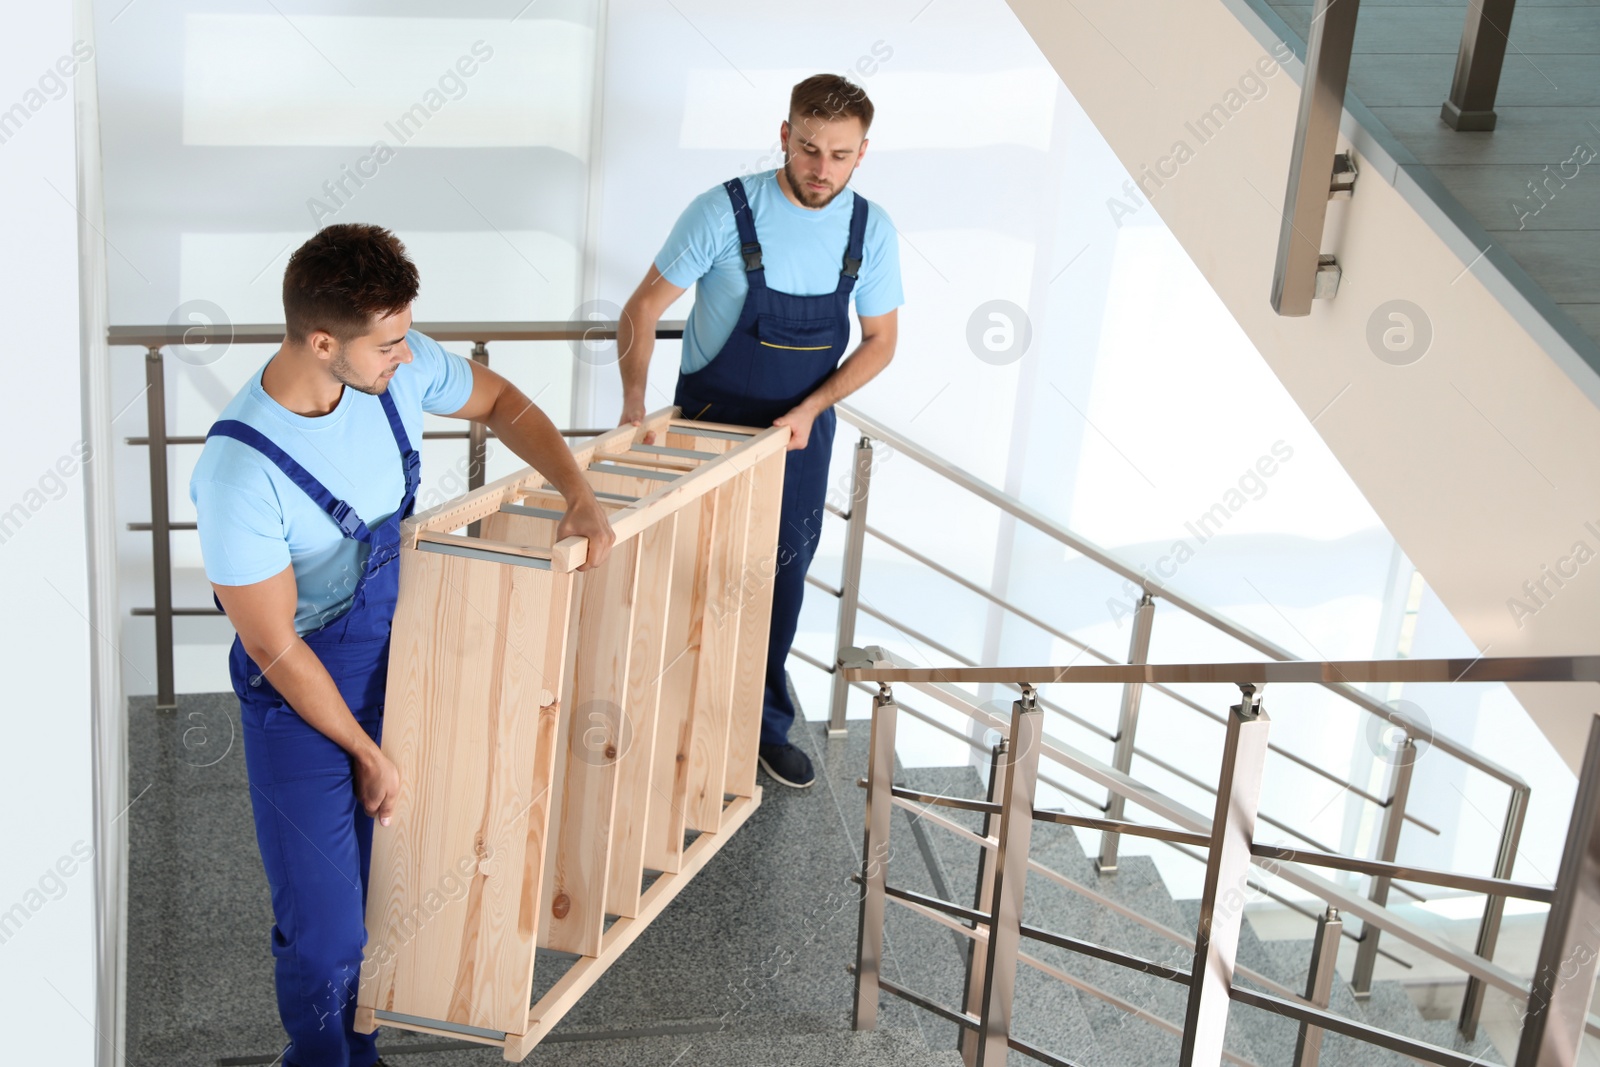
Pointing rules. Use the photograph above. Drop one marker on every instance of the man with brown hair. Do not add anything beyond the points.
(775, 260)
(300, 492)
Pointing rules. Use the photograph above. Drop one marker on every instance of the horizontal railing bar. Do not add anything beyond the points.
(1053, 783)
(971, 586)
(145, 612)
(971, 933)
(916, 635)
(1499, 887)
(1296, 907)
(1197, 783)
(922, 900)
(1109, 955)
(273, 333)
(974, 587)
(1362, 793)
(1117, 1002)
(1338, 1024)
(1482, 669)
(1120, 826)
(942, 801)
(1134, 916)
(812, 579)
(146, 527)
(1033, 1052)
(1044, 524)
(960, 1018)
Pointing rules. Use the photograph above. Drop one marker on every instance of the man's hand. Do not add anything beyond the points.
(633, 415)
(799, 421)
(377, 784)
(586, 518)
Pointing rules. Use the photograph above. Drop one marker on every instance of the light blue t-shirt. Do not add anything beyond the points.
(254, 521)
(802, 251)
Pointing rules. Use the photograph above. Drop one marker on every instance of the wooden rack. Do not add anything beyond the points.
(573, 747)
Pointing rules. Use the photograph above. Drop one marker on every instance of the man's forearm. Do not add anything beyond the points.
(859, 368)
(636, 342)
(304, 683)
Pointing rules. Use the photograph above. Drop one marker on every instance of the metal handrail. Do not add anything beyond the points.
(1393, 810)
(1050, 528)
(155, 338)
(1557, 1013)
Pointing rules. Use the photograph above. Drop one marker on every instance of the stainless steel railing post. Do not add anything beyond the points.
(1494, 907)
(1222, 899)
(1010, 878)
(1319, 984)
(1311, 159)
(1127, 727)
(155, 400)
(1478, 64)
(982, 901)
(855, 538)
(1394, 814)
(1563, 981)
(875, 859)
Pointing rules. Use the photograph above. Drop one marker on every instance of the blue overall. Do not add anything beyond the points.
(782, 348)
(315, 839)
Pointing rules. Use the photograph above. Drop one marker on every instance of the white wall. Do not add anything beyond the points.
(47, 878)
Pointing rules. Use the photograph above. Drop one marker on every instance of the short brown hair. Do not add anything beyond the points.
(343, 278)
(828, 96)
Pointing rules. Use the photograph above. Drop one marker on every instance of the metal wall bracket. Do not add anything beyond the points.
(1343, 185)
(1329, 274)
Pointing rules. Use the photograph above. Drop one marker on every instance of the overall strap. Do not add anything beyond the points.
(855, 246)
(408, 455)
(340, 512)
(745, 220)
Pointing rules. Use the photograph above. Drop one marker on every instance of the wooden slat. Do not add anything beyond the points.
(755, 623)
(583, 974)
(576, 907)
(699, 444)
(719, 651)
(636, 759)
(675, 721)
(470, 723)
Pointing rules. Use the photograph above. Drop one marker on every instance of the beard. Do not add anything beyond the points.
(344, 374)
(806, 196)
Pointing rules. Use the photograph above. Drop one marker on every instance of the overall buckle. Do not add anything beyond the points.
(752, 255)
(851, 267)
(345, 516)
